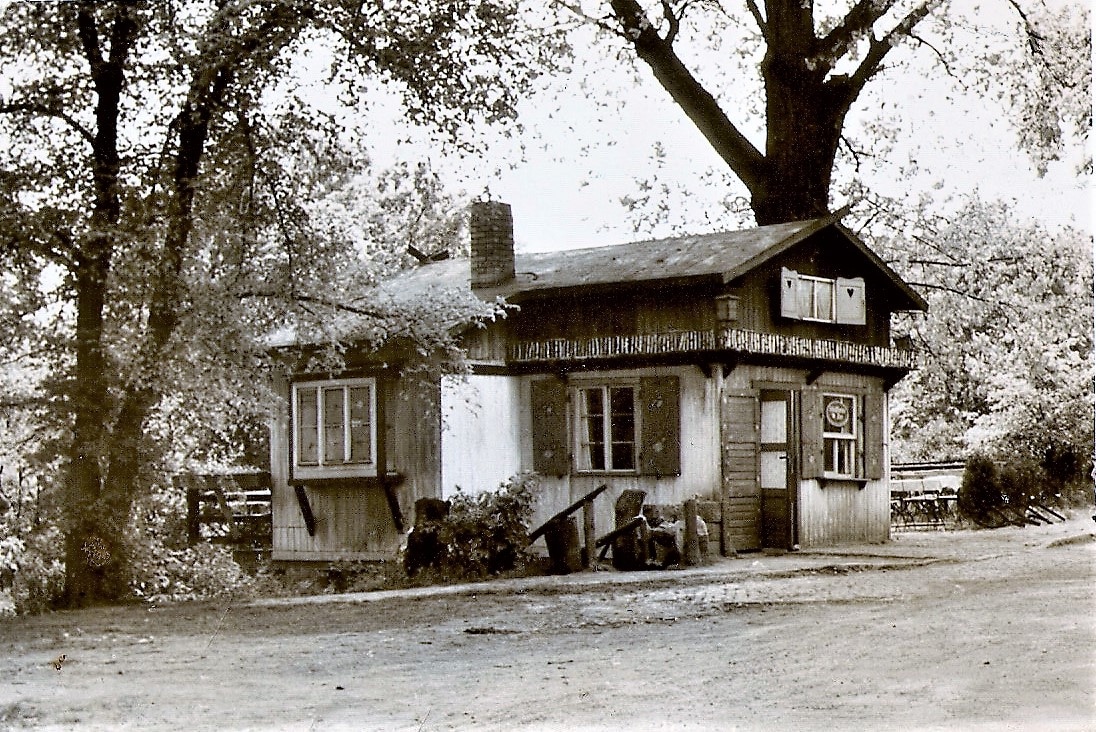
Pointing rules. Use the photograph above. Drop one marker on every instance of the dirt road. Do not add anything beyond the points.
(956, 631)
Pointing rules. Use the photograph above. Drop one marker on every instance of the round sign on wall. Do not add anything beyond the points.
(837, 413)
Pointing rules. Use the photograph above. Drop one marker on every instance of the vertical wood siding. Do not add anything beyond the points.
(830, 255)
(741, 492)
(829, 512)
(480, 437)
(700, 454)
(842, 512)
(355, 522)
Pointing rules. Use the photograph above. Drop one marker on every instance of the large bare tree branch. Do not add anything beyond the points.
(856, 23)
(48, 110)
(880, 47)
(699, 105)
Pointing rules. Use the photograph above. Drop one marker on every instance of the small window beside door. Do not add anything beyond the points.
(840, 436)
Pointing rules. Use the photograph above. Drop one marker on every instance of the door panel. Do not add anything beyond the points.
(777, 479)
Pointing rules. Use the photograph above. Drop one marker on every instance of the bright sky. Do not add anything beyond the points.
(565, 187)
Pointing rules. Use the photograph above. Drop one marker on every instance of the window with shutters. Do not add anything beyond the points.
(334, 428)
(608, 429)
(628, 426)
(823, 300)
(841, 436)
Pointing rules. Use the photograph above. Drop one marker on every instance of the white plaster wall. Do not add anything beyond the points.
(480, 434)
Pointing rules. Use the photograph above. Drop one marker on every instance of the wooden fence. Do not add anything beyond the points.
(231, 509)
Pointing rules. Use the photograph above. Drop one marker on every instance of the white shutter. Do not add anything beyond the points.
(789, 295)
(851, 308)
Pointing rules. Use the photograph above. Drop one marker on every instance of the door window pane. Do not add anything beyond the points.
(774, 422)
(774, 469)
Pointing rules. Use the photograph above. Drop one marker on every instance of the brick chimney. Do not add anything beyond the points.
(492, 231)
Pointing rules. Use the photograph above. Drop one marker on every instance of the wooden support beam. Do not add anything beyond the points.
(588, 532)
(589, 497)
(690, 553)
(306, 509)
(390, 483)
(621, 531)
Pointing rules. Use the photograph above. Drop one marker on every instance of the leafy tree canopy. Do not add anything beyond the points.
(1007, 343)
(164, 176)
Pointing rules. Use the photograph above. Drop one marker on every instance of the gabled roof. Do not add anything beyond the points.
(719, 257)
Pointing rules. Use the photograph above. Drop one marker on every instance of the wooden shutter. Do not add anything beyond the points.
(874, 403)
(850, 307)
(551, 455)
(660, 426)
(810, 433)
(789, 293)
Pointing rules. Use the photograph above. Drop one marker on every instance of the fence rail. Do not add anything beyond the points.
(231, 509)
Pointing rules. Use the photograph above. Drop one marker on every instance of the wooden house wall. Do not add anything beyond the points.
(353, 519)
(828, 512)
(700, 451)
(837, 512)
(481, 432)
(825, 255)
(592, 316)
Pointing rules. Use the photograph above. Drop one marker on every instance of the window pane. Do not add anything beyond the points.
(844, 457)
(624, 456)
(839, 455)
(839, 415)
(823, 300)
(307, 428)
(593, 426)
(622, 427)
(804, 296)
(334, 440)
(360, 425)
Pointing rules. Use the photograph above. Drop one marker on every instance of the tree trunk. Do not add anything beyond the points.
(806, 103)
(802, 134)
(95, 558)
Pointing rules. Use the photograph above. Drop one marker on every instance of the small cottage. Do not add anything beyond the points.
(748, 368)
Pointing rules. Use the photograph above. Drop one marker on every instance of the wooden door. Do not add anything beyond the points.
(777, 470)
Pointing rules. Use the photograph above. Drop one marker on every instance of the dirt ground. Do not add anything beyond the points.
(969, 630)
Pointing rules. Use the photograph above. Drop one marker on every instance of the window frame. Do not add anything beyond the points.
(324, 468)
(852, 441)
(581, 444)
(815, 282)
(798, 289)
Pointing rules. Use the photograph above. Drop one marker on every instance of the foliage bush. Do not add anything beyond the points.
(163, 567)
(1015, 480)
(980, 491)
(32, 570)
(486, 534)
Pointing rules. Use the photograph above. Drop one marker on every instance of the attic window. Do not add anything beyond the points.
(822, 300)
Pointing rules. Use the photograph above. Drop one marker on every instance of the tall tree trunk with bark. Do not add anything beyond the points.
(94, 560)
